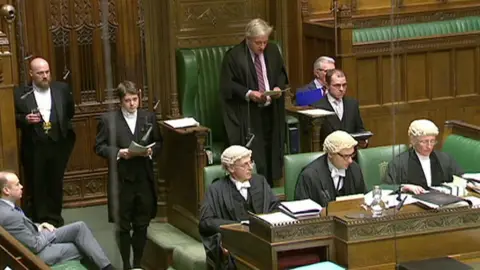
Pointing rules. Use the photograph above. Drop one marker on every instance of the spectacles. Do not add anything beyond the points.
(246, 165)
(346, 157)
(427, 142)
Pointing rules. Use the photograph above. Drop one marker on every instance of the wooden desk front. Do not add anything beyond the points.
(411, 234)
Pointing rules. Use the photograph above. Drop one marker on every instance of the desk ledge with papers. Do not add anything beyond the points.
(182, 122)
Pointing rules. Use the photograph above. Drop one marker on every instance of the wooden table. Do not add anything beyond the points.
(370, 243)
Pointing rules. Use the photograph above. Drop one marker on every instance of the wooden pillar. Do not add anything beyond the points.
(8, 77)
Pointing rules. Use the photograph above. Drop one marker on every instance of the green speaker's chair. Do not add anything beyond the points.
(373, 162)
(293, 165)
(465, 151)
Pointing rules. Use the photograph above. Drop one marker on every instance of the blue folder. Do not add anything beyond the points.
(321, 266)
(308, 97)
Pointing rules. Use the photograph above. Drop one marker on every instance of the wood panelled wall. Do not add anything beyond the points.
(69, 33)
(8, 77)
(430, 77)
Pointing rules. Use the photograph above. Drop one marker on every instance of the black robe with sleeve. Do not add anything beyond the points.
(405, 168)
(223, 204)
(351, 121)
(238, 75)
(315, 182)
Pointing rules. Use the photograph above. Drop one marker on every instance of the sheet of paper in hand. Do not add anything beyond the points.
(273, 93)
(138, 149)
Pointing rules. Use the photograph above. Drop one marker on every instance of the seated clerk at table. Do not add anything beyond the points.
(347, 113)
(229, 199)
(421, 166)
(333, 174)
(316, 89)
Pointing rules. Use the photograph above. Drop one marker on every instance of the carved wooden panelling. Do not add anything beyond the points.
(217, 22)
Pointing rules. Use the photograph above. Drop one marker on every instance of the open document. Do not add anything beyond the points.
(317, 112)
(138, 149)
(182, 123)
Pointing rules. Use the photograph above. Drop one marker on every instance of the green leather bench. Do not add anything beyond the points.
(198, 72)
(70, 265)
(293, 165)
(417, 30)
(373, 162)
(465, 151)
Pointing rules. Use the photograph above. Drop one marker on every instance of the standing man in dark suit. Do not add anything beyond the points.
(249, 71)
(316, 89)
(53, 245)
(347, 112)
(132, 193)
(44, 112)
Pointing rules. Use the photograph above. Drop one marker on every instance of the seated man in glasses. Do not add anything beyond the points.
(333, 174)
(229, 199)
(421, 166)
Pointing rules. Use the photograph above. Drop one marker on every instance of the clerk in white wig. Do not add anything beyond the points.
(421, 166)
(333, 174)
(230, 198)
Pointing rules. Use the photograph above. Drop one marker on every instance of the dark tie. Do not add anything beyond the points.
(258, 69)
(19, 209)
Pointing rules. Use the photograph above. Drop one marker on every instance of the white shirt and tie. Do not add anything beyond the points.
(44, 102)
(242, 187)
(426, 167)
(337, 105)
(338, 176)
(131, 119)
(266, 83)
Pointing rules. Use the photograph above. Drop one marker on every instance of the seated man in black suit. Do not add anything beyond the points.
(52, 245)
(347, 113)
(229, 199)
(421, 166)
(333, 174)
(316, 89)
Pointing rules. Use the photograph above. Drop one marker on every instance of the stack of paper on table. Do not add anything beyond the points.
(301, 208)
(317, 112)
(183, 122)
(277, 218)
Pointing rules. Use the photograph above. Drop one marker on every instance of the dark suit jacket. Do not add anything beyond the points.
(62, 99)
(131, 169)
(351, 121)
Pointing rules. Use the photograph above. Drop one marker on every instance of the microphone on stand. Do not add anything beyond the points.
(250, 135)
(24, 96)
(145, 138)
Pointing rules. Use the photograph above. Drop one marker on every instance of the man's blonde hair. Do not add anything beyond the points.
(257, 27)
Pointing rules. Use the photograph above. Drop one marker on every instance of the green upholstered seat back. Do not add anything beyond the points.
(293, 165)
(373, 162)
(417, 30)
(465, 151)
(70, 265)
(198, 72)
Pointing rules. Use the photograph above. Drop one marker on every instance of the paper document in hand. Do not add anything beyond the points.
(138, 149)
(276, 218)
(183, 122)
(317, 112)
(273, 93)
(301, 207)
(474, 176)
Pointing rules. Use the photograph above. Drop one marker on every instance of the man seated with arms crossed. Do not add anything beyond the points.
(421, 166)
(229, 199)
(52, 245)
(347, 113)
(316, 89)
(333, 174)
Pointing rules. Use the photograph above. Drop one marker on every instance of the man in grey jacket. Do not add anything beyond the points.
(52, 245)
